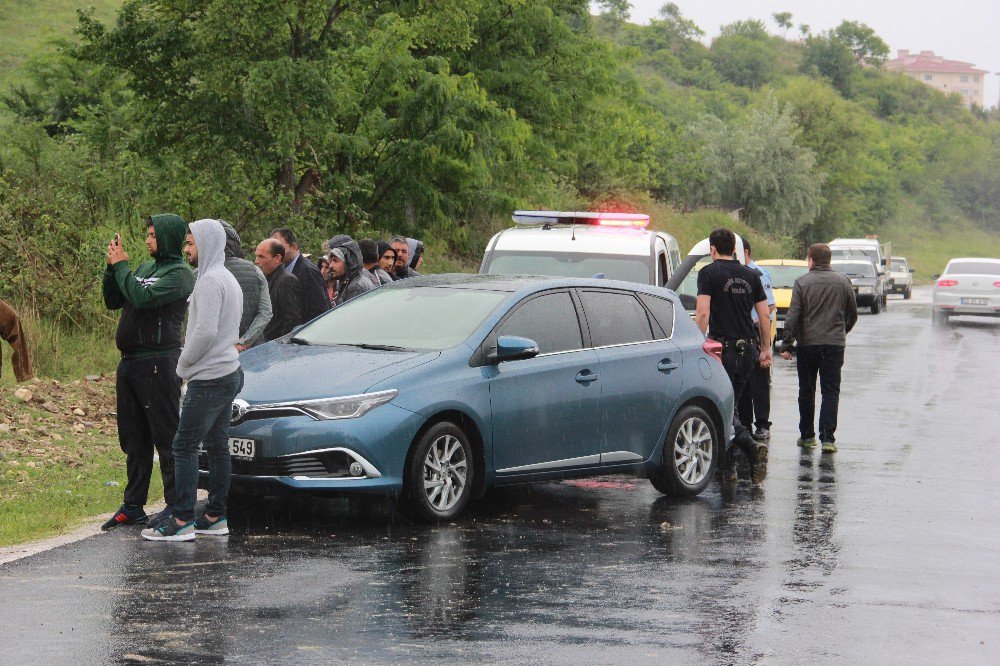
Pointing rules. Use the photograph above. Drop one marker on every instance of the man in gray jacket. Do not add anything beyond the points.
(210, 365)
(822, 312)
(347, 266)
(256, 298)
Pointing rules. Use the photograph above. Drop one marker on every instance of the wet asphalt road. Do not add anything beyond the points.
(886, 552)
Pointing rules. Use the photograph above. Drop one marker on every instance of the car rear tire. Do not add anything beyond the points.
(437, 482)
(690, 454)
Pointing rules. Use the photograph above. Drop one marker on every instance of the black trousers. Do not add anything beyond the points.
(826, 361)
(755, 404)
(149, 393)
(739, 367)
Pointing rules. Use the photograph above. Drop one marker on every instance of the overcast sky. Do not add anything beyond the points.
(966, 30)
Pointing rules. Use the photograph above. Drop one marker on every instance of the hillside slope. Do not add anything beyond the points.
(28, 26)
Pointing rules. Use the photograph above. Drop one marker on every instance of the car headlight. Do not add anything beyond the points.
(348, 407)
(864, 290)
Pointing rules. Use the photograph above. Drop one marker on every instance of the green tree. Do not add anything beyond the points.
(744, 61)
(749, 28)
(756, 164)
(783, 20)
(825, 55)
(867, 47)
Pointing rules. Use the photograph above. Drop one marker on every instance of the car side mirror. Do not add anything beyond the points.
(913, 270)
(883, 262)
(513, 348)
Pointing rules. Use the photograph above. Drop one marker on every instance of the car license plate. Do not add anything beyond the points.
(244, 449)
(975, 301)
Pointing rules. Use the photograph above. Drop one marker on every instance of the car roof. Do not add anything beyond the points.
(521, 284)
(781, 262)
(853, 261)
(584, 239)
(976, 259)
(854, 241)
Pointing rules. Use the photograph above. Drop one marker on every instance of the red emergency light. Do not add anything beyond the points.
(547, 217)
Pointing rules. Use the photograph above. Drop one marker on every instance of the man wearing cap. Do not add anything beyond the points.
(153, 300)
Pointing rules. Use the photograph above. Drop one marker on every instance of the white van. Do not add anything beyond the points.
(616, 246)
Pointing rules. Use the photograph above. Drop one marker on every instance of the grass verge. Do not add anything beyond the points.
(57, 467)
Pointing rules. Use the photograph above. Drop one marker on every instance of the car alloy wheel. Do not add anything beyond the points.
(439, 476)
(693, 451)
(445, 472)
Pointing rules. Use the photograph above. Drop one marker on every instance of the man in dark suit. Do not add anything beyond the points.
(314, 298)
(283, 288)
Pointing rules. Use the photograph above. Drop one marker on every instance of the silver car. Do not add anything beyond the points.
(900, 277)
(968, 286)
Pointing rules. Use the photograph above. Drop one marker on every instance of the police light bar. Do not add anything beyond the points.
(543, 217)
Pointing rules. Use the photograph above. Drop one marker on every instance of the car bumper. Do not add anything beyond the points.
(952, 304)
(297, 453)
(864, 299)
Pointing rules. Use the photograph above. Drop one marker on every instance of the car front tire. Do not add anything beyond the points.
(690, 454)
(439, 473)
(876, 305)
(907, 293)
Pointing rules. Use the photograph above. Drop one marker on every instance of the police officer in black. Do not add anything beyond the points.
(727, 293)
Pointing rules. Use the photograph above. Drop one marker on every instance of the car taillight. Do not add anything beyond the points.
(947, 283)
(713, 348)
(997, 284)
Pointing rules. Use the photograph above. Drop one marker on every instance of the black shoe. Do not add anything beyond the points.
(160, 517)
(126, 515)
(762, 434)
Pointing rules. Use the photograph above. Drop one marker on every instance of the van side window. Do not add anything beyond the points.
(664, 273)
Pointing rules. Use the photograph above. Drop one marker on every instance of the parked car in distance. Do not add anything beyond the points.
(784, 273)
(494, 380)
(616, 246)
(968, 286)
(850, 248)
(900, 277)
(864, 278)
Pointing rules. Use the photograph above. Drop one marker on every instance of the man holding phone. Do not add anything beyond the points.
(153, 300)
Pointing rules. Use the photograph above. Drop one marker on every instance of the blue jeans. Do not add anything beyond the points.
(825, 360)
(205, 415)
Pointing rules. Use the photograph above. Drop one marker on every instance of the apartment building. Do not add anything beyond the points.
(948, 76)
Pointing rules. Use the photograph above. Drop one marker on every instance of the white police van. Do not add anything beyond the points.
(616, 246)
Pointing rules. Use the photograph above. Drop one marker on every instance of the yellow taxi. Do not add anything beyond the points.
(784, 273)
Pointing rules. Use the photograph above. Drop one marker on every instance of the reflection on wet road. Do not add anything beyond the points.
(888, 551)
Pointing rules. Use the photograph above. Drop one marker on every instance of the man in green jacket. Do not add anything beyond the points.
(153, 300)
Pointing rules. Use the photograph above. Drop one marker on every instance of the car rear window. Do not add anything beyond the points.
(615, 318)
(663, 313)
(784, 277)
(973, 268)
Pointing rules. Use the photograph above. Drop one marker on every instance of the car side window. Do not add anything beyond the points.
(663, 313)
(615, 318)
(550, 320)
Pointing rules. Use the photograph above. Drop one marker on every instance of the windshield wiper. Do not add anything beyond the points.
(364, 345)
(299, 341)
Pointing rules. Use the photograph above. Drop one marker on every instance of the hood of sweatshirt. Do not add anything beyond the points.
(170, 232)
(352, 254)
(234, 247)
(210, 238)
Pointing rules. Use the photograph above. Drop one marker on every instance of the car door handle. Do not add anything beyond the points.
(666, 365)
(586, 376)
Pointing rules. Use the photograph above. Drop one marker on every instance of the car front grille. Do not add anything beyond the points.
(330, 465)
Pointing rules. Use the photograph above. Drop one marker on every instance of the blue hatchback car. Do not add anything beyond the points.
(433, 389)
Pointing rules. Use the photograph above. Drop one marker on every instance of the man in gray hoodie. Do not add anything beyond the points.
(347, 266)
(256, 299)
(210, 365)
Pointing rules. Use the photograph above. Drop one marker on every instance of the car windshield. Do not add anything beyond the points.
(570, 264)
(855, 268)
(899, 266)
(973, 268)
(784, 277)
(854, 252)
(415, 318)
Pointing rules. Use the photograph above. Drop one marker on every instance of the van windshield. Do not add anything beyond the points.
(569, 264)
